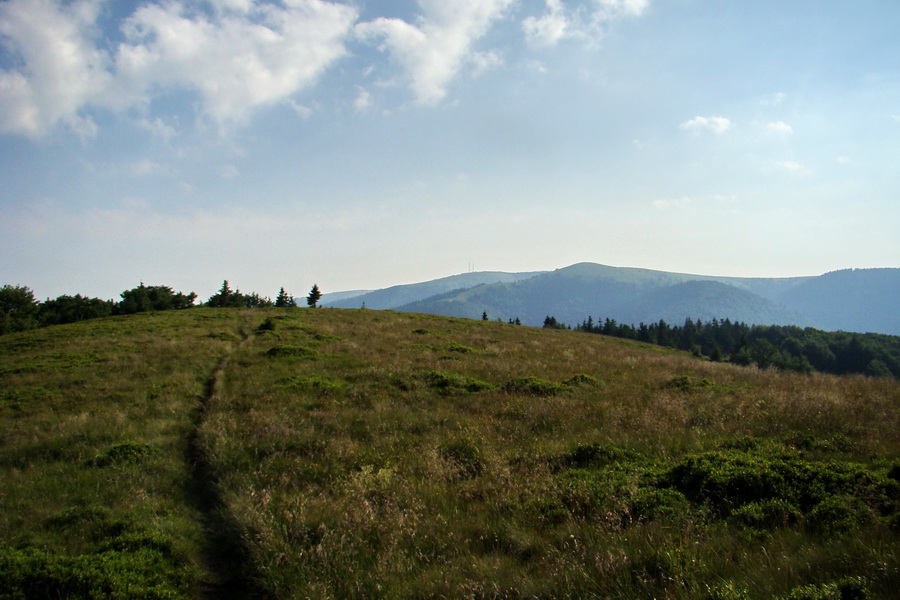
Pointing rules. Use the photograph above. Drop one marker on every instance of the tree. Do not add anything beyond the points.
(314, 296)
(71, 309)
(18, 309)
(225, 297)
(484, 316)
(155, 297)
(284, 300)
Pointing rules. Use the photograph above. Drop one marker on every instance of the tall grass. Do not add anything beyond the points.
(388, 455)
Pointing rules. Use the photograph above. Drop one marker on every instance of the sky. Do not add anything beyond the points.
(360, 144)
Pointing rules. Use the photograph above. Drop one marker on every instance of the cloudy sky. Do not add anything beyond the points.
(368, 143)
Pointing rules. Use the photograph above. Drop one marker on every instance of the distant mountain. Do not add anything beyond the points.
(626, 295)
(399, 295)
(864, 300)
(332, 297)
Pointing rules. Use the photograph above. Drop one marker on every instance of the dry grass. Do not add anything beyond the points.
(352, 472)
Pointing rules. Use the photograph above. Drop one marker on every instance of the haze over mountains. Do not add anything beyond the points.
(863, 300)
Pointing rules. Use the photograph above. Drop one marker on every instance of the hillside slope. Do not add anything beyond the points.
(301, 453)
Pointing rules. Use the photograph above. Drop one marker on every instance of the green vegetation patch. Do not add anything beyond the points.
(291, 351)
(849, 588)
(454, 383)
(465, 458)
(59, 361)
(124, 454)
(137, 572)
(583, 380)
(533, 386)
(686, 383)
(317, 384)
(729, 480)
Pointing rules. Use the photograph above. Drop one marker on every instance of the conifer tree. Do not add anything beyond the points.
(284, 300)
(314, 296)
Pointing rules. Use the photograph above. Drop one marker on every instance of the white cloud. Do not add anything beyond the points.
(670, 203)
(716, 125)
(146, 167)
(551, 27)
(773, 99)
(794, 167)
(243, 55)
(249, 55)
(433, 51)
(61, 69)
(779, 128)
(229, 172)
(158, 128)
(559, 23)
(363, 101)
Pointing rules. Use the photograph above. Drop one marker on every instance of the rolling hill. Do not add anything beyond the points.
(342, 454)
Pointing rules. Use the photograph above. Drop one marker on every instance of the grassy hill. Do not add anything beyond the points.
(299, 453)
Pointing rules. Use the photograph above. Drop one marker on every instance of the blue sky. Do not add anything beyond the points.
(361, 144)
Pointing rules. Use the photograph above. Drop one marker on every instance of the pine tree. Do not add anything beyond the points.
(314, 296)
(284, 300)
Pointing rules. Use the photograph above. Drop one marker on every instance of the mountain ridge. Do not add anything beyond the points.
(862, 300)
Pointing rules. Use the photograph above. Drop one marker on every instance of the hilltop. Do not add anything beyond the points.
(326, 453)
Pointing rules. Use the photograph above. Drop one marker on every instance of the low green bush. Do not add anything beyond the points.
(124, 454)
(144, 574)
(465, 457)
(316, 384)
(291, 351)
(451, 382)
(533, 386)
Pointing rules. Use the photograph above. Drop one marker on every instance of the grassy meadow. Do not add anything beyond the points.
(300, 453)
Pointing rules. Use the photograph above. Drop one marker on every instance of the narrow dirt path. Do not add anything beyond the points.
(232, 574)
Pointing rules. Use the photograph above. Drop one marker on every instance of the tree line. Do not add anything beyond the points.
(20, 311)
(787, 348)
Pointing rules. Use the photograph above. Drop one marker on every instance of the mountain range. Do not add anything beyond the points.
(864, 300)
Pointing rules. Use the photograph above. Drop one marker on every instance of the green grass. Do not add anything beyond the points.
(385, 455)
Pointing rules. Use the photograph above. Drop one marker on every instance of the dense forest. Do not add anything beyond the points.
(787, 348)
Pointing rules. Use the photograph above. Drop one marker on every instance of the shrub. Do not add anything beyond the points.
(726, 591)
(597, 455)
(686, 383)
(124, 454)
(34, 573)
(850, 588)
(451, 382)
(767, 514)
(268, 325)
(533, 386)
(291, 351)
(582, 380)
(838, 515)
(465, 457)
